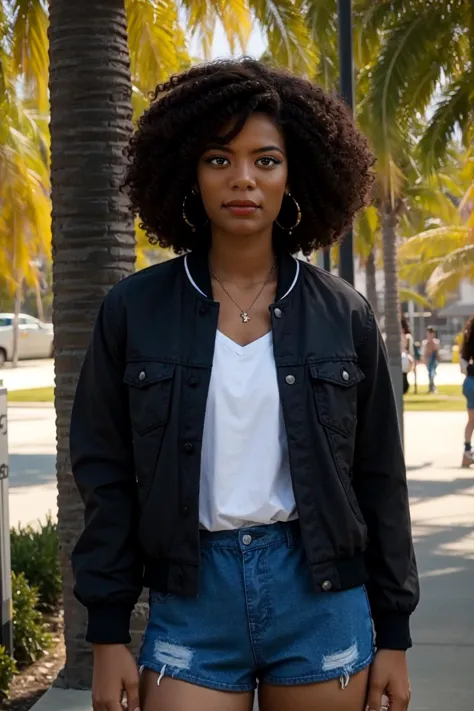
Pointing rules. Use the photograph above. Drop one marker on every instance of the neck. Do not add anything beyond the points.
(246, 259)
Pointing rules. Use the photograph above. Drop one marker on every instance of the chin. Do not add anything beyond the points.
(244, 228)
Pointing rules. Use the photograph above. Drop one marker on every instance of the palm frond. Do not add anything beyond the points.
(442, 284)
(236, 20)
(366, 231)
(452, 111)
(458, 260)
(419, 271)
(412, 295)
(156, 45)
(30, 47)
(433, 243)
(288, 37)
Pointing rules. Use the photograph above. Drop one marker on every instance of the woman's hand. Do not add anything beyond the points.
(389, 676)
(115, 672)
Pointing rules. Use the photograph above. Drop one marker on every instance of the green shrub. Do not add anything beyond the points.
(35, 553)
(30, 638)
(7, 672)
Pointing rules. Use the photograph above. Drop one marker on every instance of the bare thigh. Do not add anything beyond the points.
(177, 695)
(326, 696)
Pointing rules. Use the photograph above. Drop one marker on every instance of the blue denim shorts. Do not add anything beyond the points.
(257, 618)
(468, 391)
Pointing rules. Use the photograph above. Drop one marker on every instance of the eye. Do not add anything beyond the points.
(217, 160)
(268, 161)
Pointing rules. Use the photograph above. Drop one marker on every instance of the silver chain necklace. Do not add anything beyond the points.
(244, 315)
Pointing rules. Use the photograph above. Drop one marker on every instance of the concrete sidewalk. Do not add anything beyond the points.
(442, 499)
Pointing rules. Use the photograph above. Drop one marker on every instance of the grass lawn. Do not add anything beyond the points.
(449, 398)
(32, 395)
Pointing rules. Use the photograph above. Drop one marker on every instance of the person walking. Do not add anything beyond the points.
(234, 433)
(467, 368)
(430, 348)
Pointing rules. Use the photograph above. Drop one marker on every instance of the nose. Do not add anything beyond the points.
(242, 177)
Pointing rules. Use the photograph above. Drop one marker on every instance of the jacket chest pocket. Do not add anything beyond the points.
(336, 395)
(149, 388)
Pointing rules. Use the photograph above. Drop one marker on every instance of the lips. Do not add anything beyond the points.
(241, 203)
(241, 208)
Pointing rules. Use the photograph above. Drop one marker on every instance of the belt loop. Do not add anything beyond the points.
(289, 534)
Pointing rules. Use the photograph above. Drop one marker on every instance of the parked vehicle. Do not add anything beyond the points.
(35, 338)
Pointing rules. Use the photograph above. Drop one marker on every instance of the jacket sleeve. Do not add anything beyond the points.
(381, 489)
(106, 560)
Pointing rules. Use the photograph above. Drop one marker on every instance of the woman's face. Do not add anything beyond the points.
(243, 183)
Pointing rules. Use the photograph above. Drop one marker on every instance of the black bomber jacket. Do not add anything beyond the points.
(137, 427)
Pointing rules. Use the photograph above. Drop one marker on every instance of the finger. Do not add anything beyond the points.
(133, 696)
(399, 701)
(374, 700)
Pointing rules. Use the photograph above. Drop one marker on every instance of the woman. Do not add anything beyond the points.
(467, 367)
(234, 434)
(408, 353)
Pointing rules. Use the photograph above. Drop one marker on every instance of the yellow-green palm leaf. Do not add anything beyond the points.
(29, 31)
(433, 243)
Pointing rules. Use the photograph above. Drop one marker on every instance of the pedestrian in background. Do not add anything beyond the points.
(467, 367)
(431, 356)
(408, 354)
(234, 433)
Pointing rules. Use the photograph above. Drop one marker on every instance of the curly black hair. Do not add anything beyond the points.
(467, 350)
(329, 162)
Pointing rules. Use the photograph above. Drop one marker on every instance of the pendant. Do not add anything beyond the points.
(245, 317)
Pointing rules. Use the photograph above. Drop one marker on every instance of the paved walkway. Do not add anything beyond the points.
(442, 501)
(28, 374)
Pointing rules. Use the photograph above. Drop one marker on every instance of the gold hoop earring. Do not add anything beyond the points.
(298, 217)
(185, 217)
(194, 192)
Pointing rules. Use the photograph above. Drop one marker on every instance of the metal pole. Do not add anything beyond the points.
(327, 259)
(346, 82)
(6, 626)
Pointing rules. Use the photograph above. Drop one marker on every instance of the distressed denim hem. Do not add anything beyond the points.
(198, 681)
(317, 678)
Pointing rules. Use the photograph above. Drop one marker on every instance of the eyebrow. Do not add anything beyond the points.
(226, 149)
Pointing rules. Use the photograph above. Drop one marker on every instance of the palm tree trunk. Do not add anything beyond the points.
(371, 282)
(93, 233)
(16, 324)
(392, 302)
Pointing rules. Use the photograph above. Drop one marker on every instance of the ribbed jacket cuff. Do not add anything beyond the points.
(109, 624)
(392, 631)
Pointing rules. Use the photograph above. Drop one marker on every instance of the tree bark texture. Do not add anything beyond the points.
(371, 282)
(93, 234)
(392, 303)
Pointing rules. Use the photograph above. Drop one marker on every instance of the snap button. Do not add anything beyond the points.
(185, 510)
(326, 586)
(246, 540)
(192, 381)
(142, 375)
(203, 309)
(278, 313)
(188, 447)
(290, 379)
(345, 375)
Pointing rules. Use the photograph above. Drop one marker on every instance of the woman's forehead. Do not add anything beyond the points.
(259, 129)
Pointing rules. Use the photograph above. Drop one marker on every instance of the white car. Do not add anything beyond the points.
(35, 338)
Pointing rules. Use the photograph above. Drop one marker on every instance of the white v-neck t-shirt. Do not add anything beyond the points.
(245, 472)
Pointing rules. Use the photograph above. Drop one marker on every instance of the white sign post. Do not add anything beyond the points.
(6, 639)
